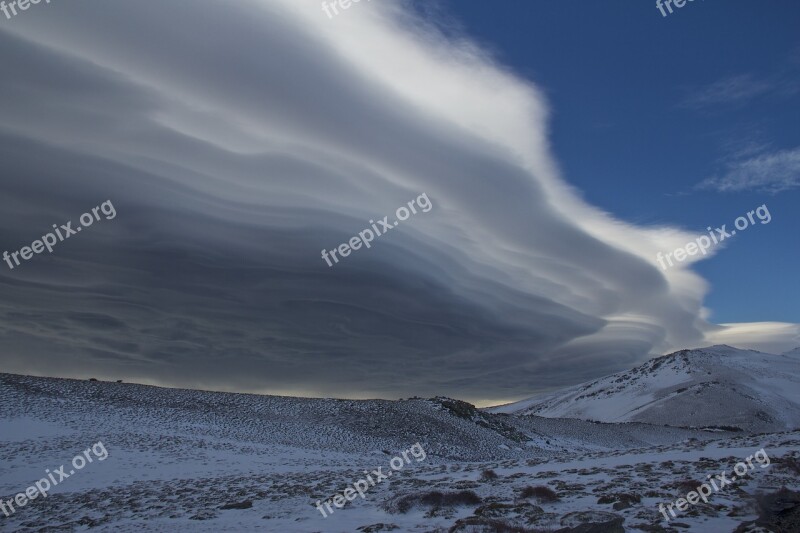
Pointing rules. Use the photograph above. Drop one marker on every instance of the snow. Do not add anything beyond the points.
(24, 428)
(714, 386)
(177, 456)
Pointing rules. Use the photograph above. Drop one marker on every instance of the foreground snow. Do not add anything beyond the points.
(177, 457)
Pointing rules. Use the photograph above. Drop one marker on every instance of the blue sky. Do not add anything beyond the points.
(645, 107)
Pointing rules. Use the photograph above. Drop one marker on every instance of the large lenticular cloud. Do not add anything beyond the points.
(238, 140)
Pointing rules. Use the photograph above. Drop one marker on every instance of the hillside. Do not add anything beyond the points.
(192, 460)
(718, 386)
(453, 429)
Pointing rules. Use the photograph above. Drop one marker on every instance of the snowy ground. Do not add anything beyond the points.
(176, 457)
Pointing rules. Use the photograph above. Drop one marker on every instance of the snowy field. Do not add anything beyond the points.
(177, 459)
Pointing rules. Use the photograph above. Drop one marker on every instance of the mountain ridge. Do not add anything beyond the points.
(716, 386)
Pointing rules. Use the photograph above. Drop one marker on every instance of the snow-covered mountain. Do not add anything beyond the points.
(718, 386)
(793, 353)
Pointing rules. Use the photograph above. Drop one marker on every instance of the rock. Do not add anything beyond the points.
(472, 524)
(778, 511)
(591, 522)
(375, 528)
(205, 514)
(247, 504)
(525, 511)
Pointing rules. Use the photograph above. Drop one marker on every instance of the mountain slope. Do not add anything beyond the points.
(793, 353)
(449, 428)
(187, 460)
(714, 386)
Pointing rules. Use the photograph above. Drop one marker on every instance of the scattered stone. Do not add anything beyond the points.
(591, 522)
(375, 528)
(778, 511)
(205, 514)
(247, 504)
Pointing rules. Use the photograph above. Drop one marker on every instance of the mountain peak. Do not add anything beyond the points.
(721, 347)
(752, 390)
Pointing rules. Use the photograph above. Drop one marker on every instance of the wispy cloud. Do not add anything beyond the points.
(746, 147)
(728, 91)
(772, 173)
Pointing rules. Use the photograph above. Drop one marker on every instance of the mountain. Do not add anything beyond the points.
(793, 353)
(719, 386)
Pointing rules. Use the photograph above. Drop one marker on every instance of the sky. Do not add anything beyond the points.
(554, 151)
(668, 110)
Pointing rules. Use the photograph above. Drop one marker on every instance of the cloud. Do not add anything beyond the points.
(238, 141)
(728, 91)
(773, 336)
(771, 173)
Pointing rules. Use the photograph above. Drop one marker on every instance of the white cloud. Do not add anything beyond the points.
(728, 91)
(772, 173)
(771, 337)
